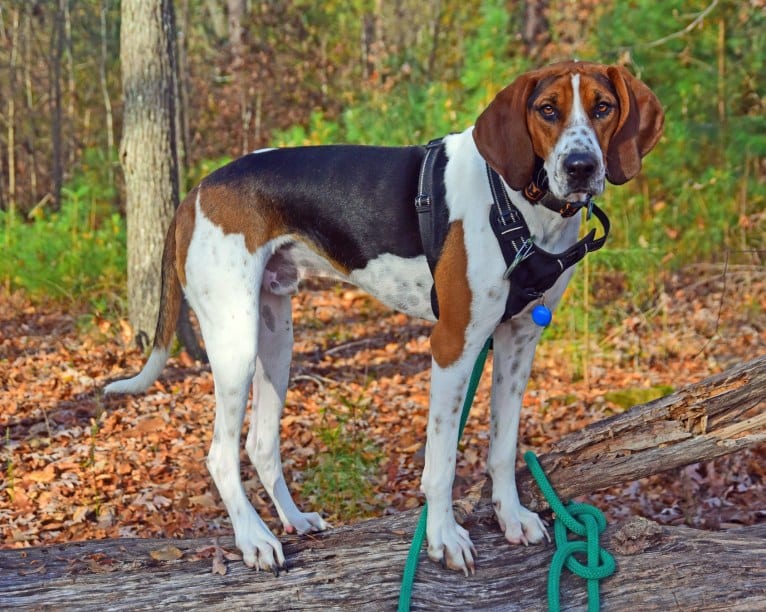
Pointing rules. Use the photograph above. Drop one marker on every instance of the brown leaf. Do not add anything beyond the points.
(219, 565)
(166, 553)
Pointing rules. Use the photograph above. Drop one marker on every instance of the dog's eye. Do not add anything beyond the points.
(602, 110)
(548, 112)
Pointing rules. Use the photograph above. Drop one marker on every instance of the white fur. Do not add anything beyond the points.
(141, 381)
(578, 135)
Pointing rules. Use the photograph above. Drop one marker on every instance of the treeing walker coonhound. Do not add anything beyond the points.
(244, 237)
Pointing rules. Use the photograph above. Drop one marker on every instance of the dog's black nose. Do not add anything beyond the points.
(580, 166)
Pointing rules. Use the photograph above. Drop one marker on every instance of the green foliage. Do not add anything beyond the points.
(341, 479)
(697, 186)
(76, 252)
(413, 107)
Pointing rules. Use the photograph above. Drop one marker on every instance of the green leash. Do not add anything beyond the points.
(408, 578)
(591, 524)
(600, 563)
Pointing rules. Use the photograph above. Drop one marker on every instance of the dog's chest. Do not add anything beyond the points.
(402, 283)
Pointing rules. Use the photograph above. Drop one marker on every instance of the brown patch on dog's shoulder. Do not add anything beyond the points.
(235, 213)
(184, 230)
(454, 295)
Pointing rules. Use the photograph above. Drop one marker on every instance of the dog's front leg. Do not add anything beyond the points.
(448, 542)
(514, 344)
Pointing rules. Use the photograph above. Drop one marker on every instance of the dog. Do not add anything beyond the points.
(241, 241)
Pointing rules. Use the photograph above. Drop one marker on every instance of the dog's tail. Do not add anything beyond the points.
(170, 307)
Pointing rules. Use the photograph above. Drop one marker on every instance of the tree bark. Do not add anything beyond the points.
(148, 151)
(57, 131)
(702, 421)
(360, 566)
(102, 75)
(11, 116)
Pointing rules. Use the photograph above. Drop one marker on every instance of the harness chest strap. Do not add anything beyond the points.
(530, 269)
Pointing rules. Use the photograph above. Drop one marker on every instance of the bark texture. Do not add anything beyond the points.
(148, 151)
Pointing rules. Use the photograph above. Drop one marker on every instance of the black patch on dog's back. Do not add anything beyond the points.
(353, 202)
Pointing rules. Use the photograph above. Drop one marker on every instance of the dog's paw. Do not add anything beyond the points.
(451, 546)
(519, 525)
(260, 549)
(305, 522)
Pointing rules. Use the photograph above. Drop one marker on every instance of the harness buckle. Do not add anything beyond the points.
(423, 203)
(525, 251)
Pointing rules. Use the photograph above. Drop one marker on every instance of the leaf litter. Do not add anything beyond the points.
(75, 465)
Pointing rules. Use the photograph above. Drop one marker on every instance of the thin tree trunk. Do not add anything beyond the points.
(71, 149)
(182, 132)
(29, 106)
(57, 51)
(236, 11)
(105, 92)
(148, 151)
(12, 111)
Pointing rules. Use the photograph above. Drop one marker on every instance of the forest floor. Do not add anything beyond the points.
(75, 465)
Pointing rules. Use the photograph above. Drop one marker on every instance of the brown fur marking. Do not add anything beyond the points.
(170, 292)
(185, 218)
(234, 214)
(454, 295)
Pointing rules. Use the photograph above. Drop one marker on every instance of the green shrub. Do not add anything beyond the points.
(74, 254)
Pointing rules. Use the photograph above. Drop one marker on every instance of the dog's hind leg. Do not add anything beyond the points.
(224, 294)
(272, 372)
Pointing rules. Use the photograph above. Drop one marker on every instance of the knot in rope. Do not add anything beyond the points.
(584, 521)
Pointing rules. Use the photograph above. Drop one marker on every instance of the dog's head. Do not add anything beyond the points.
(586, 122)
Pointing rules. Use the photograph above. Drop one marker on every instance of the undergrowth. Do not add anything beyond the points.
(71, 255)
(341, 479)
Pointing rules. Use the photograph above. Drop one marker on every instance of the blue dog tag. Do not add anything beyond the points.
(542, 315)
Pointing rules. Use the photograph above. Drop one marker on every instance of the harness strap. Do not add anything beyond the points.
(433, 216)
(530, 269)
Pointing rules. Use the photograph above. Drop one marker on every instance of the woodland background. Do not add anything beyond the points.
(679, 291)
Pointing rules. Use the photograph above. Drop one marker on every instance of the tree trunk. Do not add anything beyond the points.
(57, 131)
(534, 31)
(360, 566)
(11, 116)
(148, 151)
(102, 75)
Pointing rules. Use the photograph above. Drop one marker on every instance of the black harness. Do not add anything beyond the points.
(530, 269)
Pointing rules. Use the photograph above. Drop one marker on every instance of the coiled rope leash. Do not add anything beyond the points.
(591, 524)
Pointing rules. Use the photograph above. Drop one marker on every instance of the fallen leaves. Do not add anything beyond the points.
(75, 465)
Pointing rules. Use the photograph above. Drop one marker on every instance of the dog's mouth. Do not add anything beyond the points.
(579, 197)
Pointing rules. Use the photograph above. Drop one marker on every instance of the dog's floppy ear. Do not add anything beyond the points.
(639, 127)
(502, 137)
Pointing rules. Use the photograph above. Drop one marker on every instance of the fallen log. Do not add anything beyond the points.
(717, 416)
(360, 566)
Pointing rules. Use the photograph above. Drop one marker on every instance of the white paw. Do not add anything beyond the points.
(260, 549)
(305, 522)
(520, 525)
(450, 545)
